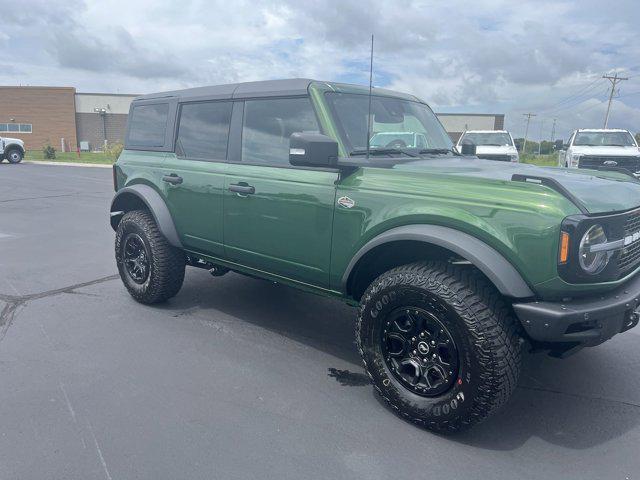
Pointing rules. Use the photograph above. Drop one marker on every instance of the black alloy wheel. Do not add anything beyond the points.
(136, 258)
(420, 351)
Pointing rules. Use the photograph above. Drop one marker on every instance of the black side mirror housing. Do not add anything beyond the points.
(312, 150)
(560, 145)
(468, 148)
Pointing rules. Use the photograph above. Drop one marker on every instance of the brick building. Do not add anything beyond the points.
(107, 123)
(67, 120)
(39, 115)
(61, 117)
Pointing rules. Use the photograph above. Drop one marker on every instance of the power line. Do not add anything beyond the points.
(614, 81)
(574, 96)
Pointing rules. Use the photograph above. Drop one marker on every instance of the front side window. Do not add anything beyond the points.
(268, 124)
(604, 139)
(148, 125)
(497, 139)
(203, 132)
(396, 123)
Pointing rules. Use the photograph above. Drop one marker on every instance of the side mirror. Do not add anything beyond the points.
(468, 149)
(559, 145)
(312, 150)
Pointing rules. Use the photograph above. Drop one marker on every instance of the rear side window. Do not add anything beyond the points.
(148, 125)
(203, 132)
(268, 124)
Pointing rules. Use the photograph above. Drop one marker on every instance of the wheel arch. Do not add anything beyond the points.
(422, 242)
(136, 197)
(11, 146)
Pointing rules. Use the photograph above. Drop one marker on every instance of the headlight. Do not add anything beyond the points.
(591, 260)
(514, 158)
(575, 159)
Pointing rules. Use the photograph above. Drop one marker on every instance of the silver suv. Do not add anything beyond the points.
(11, 149)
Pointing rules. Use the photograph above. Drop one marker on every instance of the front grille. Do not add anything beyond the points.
(630, 255)
(500, 158)
(594, 161)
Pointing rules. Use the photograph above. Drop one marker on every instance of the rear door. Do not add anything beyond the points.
(277, 218)
(193, 176)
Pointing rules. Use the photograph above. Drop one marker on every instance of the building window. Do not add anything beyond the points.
(16, 127)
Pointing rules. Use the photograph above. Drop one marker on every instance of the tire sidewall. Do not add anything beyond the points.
(125, 228)
(10, 152)
(452, 404)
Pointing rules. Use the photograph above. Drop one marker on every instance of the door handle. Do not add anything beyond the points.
(242, 189)
(173, 179)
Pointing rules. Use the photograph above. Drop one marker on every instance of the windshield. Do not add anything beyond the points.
(397, 124)
(487, 138)
(604, 139)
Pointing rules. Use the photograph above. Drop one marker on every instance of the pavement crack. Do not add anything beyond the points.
(13, 302)
(40, 197)
(577, 395)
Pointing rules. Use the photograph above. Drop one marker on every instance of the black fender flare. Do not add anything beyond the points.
(154, 203)
(489, 261)
(11, 146)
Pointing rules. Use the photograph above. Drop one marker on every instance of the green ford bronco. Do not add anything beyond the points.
(457, 264)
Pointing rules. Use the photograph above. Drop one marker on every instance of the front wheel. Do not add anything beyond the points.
(150, 268)
(439, 343)
(14, 155)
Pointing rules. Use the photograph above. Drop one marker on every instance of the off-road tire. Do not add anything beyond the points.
(166, 263)
(482, 326)
(13, 155)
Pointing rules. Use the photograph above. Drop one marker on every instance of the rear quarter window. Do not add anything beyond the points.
(148, 125)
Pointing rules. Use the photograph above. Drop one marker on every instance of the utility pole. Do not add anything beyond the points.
(526, 131)
(540, 137)
(553, 131)
(614, 81)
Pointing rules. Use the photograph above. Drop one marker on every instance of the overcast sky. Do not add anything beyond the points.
(489, 56)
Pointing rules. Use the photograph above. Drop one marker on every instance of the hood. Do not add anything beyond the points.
(605, 151)
(599, 192)
(496, 150)
(8, 140)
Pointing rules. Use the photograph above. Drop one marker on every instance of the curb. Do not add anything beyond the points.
(68, 164)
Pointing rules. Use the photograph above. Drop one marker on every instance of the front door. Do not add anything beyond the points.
(194, 176)
(278, 218)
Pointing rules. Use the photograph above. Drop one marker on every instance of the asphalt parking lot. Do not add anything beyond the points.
(242, 378)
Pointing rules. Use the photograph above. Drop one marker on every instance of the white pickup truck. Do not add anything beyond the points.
(491, 144)
(601, 149)
(11, 149)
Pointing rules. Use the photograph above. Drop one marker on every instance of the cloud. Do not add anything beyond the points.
(483, 56)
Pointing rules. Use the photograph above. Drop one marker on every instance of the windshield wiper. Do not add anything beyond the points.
(437, 151)
(384, 151)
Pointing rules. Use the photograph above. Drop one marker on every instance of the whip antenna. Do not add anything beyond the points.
(370, 88)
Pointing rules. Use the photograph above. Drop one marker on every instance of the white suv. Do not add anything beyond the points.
(602, 149)
(12, 149)
(490, 144)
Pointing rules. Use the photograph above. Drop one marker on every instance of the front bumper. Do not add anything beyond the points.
(583, 321)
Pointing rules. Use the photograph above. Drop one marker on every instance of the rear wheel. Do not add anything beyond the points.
(14, 155)
(150, 268)
(439, 344)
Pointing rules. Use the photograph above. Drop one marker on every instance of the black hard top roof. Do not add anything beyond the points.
(267, 88)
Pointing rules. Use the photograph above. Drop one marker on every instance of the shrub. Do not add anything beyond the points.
(49, 152)
(113, 150)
